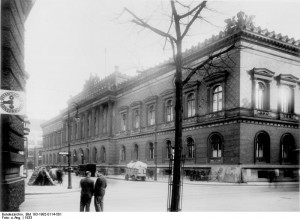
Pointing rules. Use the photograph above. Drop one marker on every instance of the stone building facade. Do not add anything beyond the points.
(13, 77)
(240, 116)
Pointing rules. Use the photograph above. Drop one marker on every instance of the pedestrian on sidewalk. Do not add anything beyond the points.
(87, 190)
(99, 191)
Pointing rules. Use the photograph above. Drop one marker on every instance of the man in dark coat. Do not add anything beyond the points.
(87, 189)
(99, 192)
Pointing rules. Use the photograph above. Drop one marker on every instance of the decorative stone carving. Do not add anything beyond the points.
(243, 21)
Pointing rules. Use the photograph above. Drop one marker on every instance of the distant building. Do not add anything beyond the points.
(240, 116)
(35, 144)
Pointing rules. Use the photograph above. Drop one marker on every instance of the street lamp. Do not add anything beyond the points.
(77, 118)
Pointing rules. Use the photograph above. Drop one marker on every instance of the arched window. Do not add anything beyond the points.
(81, 154)
(260, 95)
(136, 118)
(87, 157)
(287, 148)
(190, 148)
(151, 151)
(169, 150)
(262, 147)
(191, 105)
(151, 115)
(216, 144)
(75, 158)
(169, 111)
(58, 158)
(65, 158)
(103, 154)
(95, 155)
(136, 152)
(123, 153)
(217, 99)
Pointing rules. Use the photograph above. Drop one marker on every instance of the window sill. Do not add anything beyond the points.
(216, 160)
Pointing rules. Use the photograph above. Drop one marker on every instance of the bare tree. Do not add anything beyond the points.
(181, 23)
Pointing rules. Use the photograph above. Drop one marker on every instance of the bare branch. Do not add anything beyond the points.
(210, 58)
(201, 6)
(142, 23)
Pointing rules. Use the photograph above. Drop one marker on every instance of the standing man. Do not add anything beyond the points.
(87, 189)
(99, 192)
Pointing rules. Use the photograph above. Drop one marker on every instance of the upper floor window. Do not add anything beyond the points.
(191, 105)
(75, 158)
(169, 150)
(81, 156)
(190, 148)
(151, 151)
(151, 115)
(123, 153)
(217, 98)
(136, 152)
(262, 147)
(123, 121)
(95, 155)
(169, 110)
(103, 154)
(58, 158)
(260, 96)
(87, 155)
(216, 145)
(136, 119)
(286, 99)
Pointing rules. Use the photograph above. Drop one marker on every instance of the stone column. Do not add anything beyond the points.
(85, 125)
(97, 121)
(109, 118)
(100, 120)
(93, 123)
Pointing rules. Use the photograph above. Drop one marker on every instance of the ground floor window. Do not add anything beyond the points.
(215, 145)
(262, 147)
(287, 148)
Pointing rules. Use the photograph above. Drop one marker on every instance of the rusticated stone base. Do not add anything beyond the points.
(13, 195)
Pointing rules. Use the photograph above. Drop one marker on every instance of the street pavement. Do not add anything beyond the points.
(151, 196)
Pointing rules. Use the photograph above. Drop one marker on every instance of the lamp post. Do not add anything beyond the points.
(69, 143)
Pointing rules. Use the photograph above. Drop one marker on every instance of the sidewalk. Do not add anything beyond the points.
(63, 188)
(185, 181)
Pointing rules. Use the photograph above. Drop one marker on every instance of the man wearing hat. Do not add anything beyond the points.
(87, 189)
(99, 192)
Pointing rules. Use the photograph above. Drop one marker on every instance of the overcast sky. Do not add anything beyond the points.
(67, 40)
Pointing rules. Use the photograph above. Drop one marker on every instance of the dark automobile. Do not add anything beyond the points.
(80, 171)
